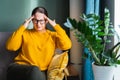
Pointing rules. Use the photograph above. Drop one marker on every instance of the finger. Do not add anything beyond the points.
(54, 20)
(25, 20)
(30, 18)
(46, 18)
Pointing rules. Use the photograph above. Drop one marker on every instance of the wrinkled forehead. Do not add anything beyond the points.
(38, 16)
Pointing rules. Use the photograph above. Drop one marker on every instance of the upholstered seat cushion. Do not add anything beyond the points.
(6, 57)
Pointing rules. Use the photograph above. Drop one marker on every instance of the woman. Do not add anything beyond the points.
(37, 46)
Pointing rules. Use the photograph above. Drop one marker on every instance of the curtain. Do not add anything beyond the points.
(92, 6)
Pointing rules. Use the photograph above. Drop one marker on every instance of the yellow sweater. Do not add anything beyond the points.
(37, 48)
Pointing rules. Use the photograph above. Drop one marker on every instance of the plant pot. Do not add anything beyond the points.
(103, 72)
(117, 73)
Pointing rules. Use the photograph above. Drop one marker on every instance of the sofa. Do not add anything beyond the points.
(6, 57)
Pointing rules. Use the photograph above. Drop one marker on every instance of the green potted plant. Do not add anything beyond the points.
(93, 33)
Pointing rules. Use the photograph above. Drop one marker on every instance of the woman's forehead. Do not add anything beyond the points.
(39, 15)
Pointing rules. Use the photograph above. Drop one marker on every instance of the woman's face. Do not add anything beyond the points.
(39, 22)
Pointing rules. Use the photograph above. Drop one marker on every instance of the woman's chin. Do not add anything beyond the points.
(39, 29)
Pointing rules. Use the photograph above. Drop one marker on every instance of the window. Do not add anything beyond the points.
(117, 18)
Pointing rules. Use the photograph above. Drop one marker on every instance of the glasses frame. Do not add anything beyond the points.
(38, 21)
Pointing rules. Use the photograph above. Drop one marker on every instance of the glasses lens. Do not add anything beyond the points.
(42, 21)
(38, 21)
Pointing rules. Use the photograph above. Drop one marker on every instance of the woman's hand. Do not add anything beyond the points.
(51, 22)
(27, 21)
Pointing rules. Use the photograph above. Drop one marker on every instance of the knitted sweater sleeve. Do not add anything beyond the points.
(62, 40)
(15, 40)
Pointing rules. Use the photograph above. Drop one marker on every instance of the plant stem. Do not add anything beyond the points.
(94, 55)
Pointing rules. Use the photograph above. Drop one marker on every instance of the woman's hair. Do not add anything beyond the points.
(41, 10)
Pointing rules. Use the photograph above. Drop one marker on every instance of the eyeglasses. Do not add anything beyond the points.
(38, 21)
